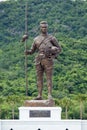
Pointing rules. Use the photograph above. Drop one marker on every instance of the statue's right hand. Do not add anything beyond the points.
(24, 38)
(27, 52)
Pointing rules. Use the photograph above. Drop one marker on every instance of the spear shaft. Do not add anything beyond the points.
(26, 33)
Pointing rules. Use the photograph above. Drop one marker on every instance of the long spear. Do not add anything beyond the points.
(26, 33)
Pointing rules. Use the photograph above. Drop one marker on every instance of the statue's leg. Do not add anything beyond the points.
(39, 72)
(49, 73)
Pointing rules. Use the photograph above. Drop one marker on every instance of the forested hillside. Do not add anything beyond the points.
(68, 22)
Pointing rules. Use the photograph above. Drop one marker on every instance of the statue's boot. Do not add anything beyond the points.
(38, 98)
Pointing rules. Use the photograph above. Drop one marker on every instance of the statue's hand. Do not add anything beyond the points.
(24, 38)
(27, 52)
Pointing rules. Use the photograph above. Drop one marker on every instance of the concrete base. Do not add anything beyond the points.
(0, 124)
(43, 125)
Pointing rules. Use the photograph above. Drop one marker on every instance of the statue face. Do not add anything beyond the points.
(43, 29)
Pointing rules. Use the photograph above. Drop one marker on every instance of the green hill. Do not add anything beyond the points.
(67, 21)
(65, 17)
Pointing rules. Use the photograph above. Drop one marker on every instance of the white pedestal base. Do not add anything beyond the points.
(40, 113)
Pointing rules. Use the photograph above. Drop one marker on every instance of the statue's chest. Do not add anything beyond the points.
(43, 43)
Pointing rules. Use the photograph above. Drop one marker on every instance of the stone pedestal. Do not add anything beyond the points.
(39, 103)
(40, 110)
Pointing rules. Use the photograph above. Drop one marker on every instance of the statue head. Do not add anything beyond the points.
(43, 26)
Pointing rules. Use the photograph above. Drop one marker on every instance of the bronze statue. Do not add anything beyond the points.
(48, 48)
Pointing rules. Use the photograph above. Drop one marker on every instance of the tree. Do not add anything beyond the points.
(65, 103)
(13, 100)
(81, 98)
(1, 101)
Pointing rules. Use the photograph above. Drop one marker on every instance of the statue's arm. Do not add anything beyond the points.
(32, 50)
(56, 44)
